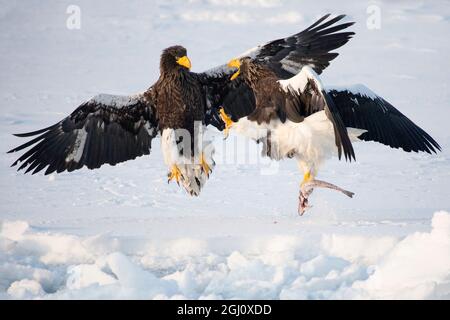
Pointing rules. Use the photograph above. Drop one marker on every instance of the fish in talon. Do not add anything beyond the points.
(307, 189)
(303, 202)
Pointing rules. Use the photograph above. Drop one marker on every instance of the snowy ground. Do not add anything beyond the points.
(122, 232)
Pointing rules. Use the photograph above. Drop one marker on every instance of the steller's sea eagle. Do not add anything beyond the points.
(295, 116)
(110, 129)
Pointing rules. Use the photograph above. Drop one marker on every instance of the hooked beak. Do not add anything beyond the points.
(235, 63)
(185, 62)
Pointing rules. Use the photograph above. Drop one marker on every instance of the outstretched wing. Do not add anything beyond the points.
(285, 57)
(311, 47)
(360, 108)
(106, 129)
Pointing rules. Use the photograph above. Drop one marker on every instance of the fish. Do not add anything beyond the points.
(307, 188)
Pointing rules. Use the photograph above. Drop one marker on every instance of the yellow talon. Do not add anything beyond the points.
(307, 177)
(175, 173)
(227, 120)
(205, 165)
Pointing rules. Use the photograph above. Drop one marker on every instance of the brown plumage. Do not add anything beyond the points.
(177, 94)
(270, 100)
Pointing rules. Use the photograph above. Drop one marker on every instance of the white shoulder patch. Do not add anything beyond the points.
(299, 81)
(357, 89)
(116, 101)
(252, 53)
(217, 70)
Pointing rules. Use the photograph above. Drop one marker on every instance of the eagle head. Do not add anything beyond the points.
(174, 58)
(241, 65)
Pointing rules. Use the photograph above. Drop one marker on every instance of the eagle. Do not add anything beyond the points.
(295, 116)
(271, 93)
(110, 129)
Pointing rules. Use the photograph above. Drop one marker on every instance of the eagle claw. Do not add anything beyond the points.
(228, 122)
(174, 173)
(205, 166)
(303, 202)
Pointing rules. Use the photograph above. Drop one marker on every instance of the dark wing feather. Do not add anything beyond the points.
(312, 47)
(361, 108)
(285, 57)
(236, 97)
(340, 131)
(104, 130)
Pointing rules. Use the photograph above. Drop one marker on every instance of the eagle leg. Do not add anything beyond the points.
(228, 122)
(303, 203)
(307, 177)
(305, 192)
(205, 166)
(175, 173)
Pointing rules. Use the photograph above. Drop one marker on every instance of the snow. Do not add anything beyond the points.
(51, 265)
(123, 232)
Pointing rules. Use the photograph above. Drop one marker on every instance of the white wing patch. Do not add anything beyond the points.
(361, 91)
(290, 65)
(357, 89)
(217, 71)
(298, 82)
(252, 53)
(78, 147)
(116, 101)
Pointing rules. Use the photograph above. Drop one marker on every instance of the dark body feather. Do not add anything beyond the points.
(178, 101)
(178, 96)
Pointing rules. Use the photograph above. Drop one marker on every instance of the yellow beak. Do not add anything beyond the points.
(235, 63)
(185, 62)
